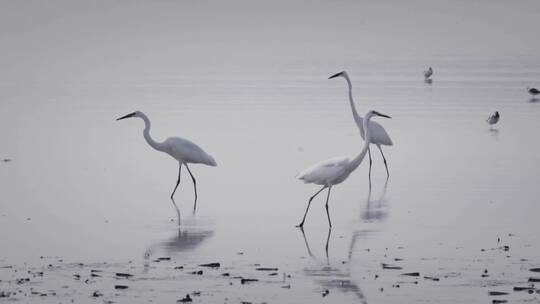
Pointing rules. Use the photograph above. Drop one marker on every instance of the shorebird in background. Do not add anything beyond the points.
(533, 92)
(493, 118)
(428, 73)
(335, 170)
(183, 150)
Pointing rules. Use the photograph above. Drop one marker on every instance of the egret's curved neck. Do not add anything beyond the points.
(146, 133)
(358, 159)
(351, 101)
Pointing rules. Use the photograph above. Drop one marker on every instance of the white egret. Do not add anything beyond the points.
(183, 150)
(428, 73)
(533, 91)
(335, 170)
(493, 118)
(379, 137)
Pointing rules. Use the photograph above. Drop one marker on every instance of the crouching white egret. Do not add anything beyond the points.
(183, 150)
(379, 137)
(335, 170)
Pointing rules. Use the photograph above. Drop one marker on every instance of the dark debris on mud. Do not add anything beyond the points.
(125, 279)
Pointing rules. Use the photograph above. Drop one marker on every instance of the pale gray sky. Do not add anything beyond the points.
(89, 40)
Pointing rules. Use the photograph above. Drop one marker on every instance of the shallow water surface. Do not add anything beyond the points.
(460, 207)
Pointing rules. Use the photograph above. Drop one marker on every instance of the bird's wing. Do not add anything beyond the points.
(378, 134)
(187, 151)
(324, 171)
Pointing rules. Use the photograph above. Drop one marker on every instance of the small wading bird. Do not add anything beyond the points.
(533, 91)
(183, 150)
(379, 137)
(428, 73)
(335, 170)
(493, 118)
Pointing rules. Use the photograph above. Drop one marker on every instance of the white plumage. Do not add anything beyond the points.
(186, 151)
(379, 137)
(327, 172)
(378, 133)
(183, 150)
(335, 170)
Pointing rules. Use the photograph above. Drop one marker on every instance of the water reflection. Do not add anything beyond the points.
(177, 211)
(331, 277)
(183, 240)
(309, 249)
(494, 132)
(375, 209)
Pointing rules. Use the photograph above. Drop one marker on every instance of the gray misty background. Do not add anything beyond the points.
(247, 81)
(125, 41)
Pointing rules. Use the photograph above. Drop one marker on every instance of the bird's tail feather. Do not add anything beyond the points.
(211, 161)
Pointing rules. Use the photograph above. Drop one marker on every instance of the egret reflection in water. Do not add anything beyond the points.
(331, 277)
(183, 240)
(494, 132)
(309, 248)
(375, 212)
(376, 209)
(178, 215)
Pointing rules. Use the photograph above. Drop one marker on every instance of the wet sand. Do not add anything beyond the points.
(494, 274)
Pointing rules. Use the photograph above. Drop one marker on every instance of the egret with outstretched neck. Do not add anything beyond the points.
(183, 150)
(334, 171)
(379, 137)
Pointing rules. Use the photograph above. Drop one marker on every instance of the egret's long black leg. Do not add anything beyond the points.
(370, 162)
(178, 181)
(328, 213)
(309, 203)
(194, 187)
(384, 158)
